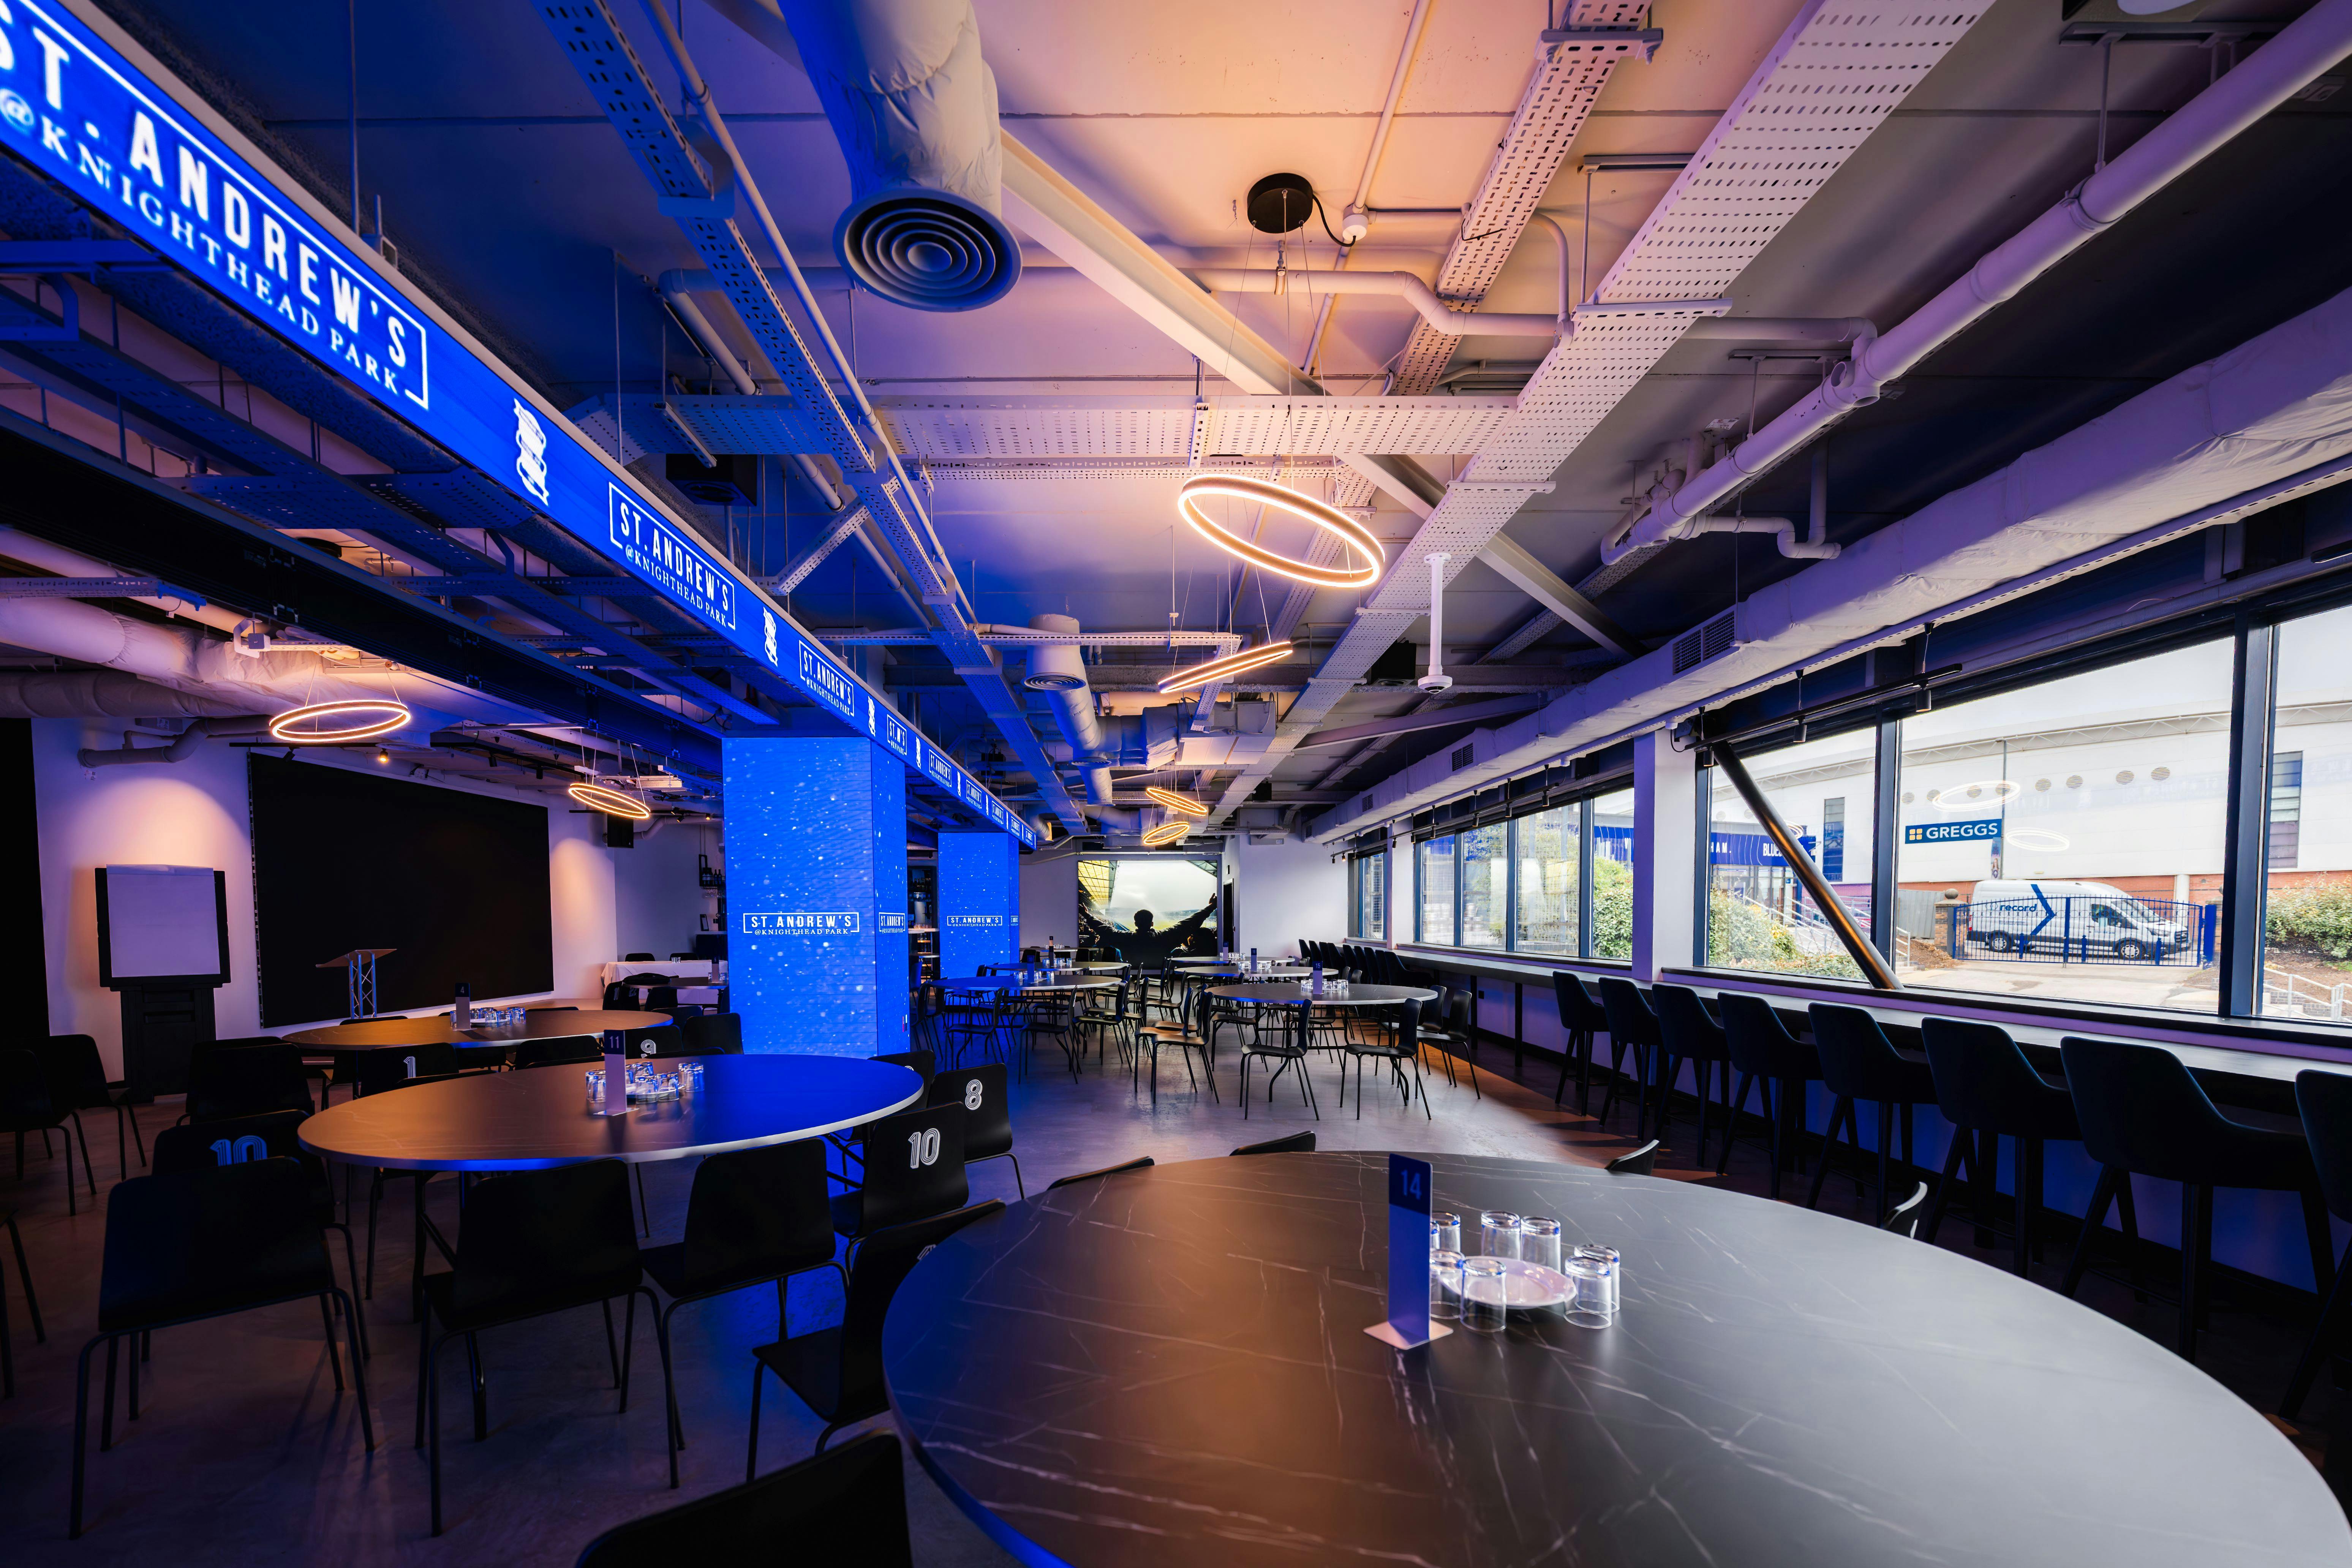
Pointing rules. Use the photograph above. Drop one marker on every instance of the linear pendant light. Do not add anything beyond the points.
(1240, 487)
(1183, 803)
(611, 802)
(1192, 677)
(329, 723)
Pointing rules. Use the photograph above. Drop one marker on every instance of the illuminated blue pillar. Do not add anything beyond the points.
(979, 901)
(816, 894)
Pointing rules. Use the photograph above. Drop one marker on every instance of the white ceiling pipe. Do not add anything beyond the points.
(2302, 49)
(1057, 671)
(1398, 284)
(102, 694)
(182, 747)
(677, 292)
(1782, 528)
(33, 550)
(1356, 222)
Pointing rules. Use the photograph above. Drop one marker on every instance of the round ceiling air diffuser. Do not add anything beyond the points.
(926, 249)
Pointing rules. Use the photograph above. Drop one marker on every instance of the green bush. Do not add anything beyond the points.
(1612, 907)
(1741, 935)
(2313, 916)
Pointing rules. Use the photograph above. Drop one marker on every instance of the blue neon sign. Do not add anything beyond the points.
(74, 106)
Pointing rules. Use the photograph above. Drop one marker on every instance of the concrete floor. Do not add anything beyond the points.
(244, 1454)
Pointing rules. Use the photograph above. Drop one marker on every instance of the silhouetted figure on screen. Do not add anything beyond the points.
(1150, 946)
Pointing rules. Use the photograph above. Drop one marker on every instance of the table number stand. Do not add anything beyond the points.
(1407, 1325)
(359, 965)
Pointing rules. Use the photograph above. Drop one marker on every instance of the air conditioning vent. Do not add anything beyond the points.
(1461, 757)
(1696, 646)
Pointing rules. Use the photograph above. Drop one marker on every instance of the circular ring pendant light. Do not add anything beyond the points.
(1192, 677)
(611, 802)
(1167, 833)
(1237, 487)
(331, 723)
(1184, 804)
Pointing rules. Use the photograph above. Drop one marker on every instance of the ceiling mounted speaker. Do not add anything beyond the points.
(926, 249)
(1280, 203)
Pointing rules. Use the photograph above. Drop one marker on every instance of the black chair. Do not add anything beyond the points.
(1296, 1143)
(1402, 1051)
(558, 1050)
(754, 1216)
(387, 1083)
(392, 1066)
(26, 1106)
(1902, 1219)
(203, 1145)
(1987, 1090)
(1769, 1057)
(659, 1040)
(925, 1063)
(2326, 1101)
(913, 1169)
(1634, 1027)
(247, 1081)
(1150, 1036)
(837, 1371)
(1581, 1020)
(845, 1505)
(77, 1083)
(637, 958)
(535, 1243)
(1277, 1044)
(1859, 1063)
(987, 1114)
(1142, 1163)
(1641, 1161)
(1689, 1033)
(1453, 1027)
(32, 1307)
(714, 1032)
(2143, 1114)
(204, 1243)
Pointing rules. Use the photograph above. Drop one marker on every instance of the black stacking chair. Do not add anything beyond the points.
(913, 1169)
(202, 1243)
(2326, 1101)
(1641, 1161)
(837, 1371)
(1142, 1162)
(1581, 1018)
(1902, 1219)
(755, 1216)
(26, 1107)
(392, 1066)
(1297, 1143)
(77, 1083)
(846, 1505)
(1859, 1064)
(558, 1050)
(714, 1032)
(661, 1040)
(1633, 1026)
(1766, 1054)
(2144, 1115)
(1452, 1027)
(926, 1064)
(535, 1243)
(987, 1114)
(1987, 1091)
(1690, 1034)
(1281, 1046)
(203, 1145)
(1403, 1051)
(32, 1307)
(1149, 1037)
(247, 1081)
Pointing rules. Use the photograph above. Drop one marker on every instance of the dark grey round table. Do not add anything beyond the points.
(541, 1024)
(1175, 1372)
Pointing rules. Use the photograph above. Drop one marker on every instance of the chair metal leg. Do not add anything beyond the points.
(327, 1321)
(1840, 1109)
(81, 1438)
(2029, 1201)
(24, 1273)
(628, 1343)
(1732, 1123)
(752, 1449)
(433, 1430)
(612, 1347)
(2103, 1194)
(106, 1413)
(669, 1380)
(2323, 1335)
(2194, 1201)
(1944, 1185)
(351, 1307)
(479, 1390)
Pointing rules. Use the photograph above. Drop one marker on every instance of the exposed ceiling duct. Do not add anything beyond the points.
(102, 694)
(1058, 671)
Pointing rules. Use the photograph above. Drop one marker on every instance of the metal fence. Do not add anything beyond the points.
(2086, 930)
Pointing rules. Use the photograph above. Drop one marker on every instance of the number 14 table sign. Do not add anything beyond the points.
(1407, 1324)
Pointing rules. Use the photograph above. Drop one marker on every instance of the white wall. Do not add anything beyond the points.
(1284, 892)
(1049, 900)
(659, 902)
(195, 814)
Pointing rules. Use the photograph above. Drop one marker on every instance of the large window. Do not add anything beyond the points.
(2307, 923)
(1611, 935)
(1368, 897)
(1485, 886)
(1759, 914)
(1549, 891)
(1433, 875)
(2065, 841)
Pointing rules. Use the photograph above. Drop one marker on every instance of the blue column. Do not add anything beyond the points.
(979, 901)
(816, 892)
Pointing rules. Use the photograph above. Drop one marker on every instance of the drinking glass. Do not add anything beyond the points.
(1498, 1234)
(1445, 1233)
(1591, 1282)
(1614, 1276)
(1444, 1286)
(1483, 1300)
(1539, 1241)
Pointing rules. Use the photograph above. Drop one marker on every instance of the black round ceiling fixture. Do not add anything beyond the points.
(1280, 203)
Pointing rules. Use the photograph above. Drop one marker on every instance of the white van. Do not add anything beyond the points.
(2081, 918)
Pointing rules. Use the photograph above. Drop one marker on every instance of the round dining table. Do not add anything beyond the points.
(538, 1024)
(1176, 1375)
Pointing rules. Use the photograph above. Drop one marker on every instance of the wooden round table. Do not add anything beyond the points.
(1175, 1374)
(546, 1023)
